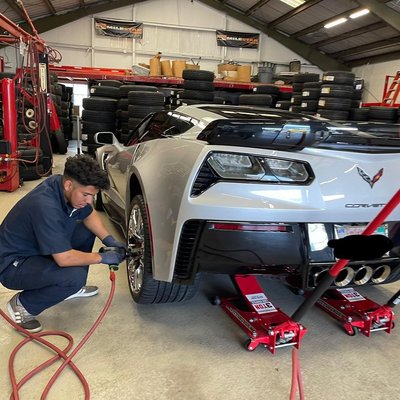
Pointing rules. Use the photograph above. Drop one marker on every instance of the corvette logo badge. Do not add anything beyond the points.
(366, 177)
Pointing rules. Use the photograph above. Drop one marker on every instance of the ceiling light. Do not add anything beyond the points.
(335, 22)
(293, 3)
(360, 13)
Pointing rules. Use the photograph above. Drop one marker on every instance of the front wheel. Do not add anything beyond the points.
(143, 287)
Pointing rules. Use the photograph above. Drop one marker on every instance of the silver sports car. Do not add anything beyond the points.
(235, 189)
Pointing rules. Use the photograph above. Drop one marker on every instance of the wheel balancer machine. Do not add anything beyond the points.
(267, 325)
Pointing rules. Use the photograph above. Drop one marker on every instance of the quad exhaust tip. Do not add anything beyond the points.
(363, 275)
(381, 274)
(344, 277)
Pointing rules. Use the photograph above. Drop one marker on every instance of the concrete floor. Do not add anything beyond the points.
(193, 351)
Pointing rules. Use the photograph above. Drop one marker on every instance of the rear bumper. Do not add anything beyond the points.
(288, 251)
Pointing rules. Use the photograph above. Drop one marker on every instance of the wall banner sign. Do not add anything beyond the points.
(238, 39)
(118, 28)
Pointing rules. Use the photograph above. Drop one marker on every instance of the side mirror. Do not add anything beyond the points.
(104, 138)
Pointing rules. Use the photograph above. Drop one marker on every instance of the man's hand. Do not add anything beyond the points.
(110, 241)
(112, 257)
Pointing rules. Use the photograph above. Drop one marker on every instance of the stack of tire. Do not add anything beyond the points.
(262, 96)
(284, 100)
(297, 100)
(31, 163)
(67, 106)
(98, 115)
(198, 87)
(357, 113)
(310, 97)
(336, 97)
(59, 140)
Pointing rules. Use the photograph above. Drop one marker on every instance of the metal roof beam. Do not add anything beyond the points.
(50, 6)
(354, 32)
(312, 55)
(367, 47)
(256, 6)
(321, 24)
(13, 5)
(294, 12)
(374, 59)
(390, 16)
(54, 21)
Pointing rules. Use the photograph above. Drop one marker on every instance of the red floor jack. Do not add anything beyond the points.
(259, 318)
(355, 311)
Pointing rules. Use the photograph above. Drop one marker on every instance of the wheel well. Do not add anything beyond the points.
(134, 187)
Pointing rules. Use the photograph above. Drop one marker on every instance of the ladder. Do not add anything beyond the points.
(392, 90)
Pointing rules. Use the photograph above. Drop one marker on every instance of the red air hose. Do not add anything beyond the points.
(61, 354)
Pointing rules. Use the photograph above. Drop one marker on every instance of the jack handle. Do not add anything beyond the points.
(394, 301)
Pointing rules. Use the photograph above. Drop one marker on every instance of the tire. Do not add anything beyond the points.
(125, 89)
(99, 104)
(94, 116)
(89, 127)
(31, 172)
(266, 89)
(197, 75)
(123, 104)
(283, 104)
(105, 91)
(264, 100)
(109, 82)
(146, 98)
(284, 96)
(334, 115)
(143, 287)
(297, 87)
(198, 85)
(310, 93)
(345, 91)
(296, 99)
(338, 77)
(308, 85)
(333, 103)
(309, 105)
(143, 111)
(302, 78)
(60, 144)
(359, 114)
(383, 113)
(201, 95)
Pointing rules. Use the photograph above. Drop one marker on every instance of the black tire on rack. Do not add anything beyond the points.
(31, 172)
(383, 113)
(109, 82)
(58, 142)
(95, 116)
(143, 111)
(331, 90)
(307, 85)
(197, 75)
(123, 115)
(338, 77)
(296, 99)
(125, 89)
(333, 103)
(146, 98)
(297, 87)
(359, 114)
(306, 77)
(266, 89)
(30, 153)
(89, 127)
(309, 105)
(264, 100)
(333, 114)
(355, 103)
(105, 91)
(198, 85)
(99, 104)
(311, 93)
(283, 104)
(123, 103)
(202, 95)
(295, 109)
(357, 94)
(284, 96)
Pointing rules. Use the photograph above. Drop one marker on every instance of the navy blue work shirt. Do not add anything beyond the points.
(41, 223)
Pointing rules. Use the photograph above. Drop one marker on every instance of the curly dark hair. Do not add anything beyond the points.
(86, 171)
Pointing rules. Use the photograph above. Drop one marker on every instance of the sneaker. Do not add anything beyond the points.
(20, 316)
(86, 291)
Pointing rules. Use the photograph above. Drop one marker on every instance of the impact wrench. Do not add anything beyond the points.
(61, 354)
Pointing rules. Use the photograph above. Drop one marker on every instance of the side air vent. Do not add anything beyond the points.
(205, 178)
(186, 249)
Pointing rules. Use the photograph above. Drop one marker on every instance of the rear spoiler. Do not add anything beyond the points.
(295, 135)
(282, 135)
